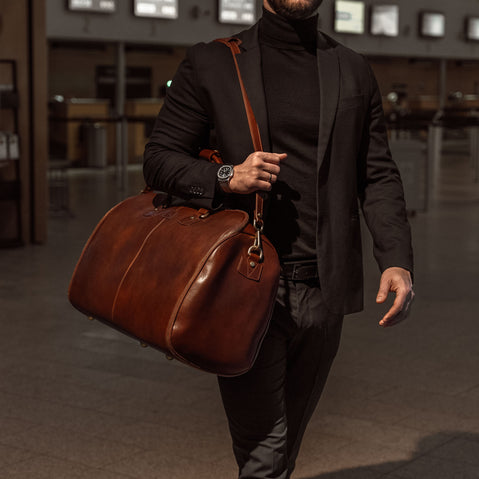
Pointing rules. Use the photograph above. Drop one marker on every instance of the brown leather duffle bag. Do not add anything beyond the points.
(198, 285)
(189, 282)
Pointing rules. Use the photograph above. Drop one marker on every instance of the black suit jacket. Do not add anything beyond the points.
(354, 165)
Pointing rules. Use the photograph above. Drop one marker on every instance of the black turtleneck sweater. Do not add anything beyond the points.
(291, 84)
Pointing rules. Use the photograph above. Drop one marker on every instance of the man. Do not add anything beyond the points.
(320, 116)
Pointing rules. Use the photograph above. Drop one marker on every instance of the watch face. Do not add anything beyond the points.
(225, 172)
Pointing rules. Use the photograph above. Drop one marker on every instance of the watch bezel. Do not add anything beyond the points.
(225, 178)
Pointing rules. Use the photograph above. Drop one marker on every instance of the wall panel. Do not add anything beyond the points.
(197, 22)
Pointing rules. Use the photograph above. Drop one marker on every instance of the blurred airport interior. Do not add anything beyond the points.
(81, 82)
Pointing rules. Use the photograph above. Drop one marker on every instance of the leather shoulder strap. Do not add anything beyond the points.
(233, 44)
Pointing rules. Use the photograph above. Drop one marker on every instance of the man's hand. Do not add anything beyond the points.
(396, 280)
(258, 172)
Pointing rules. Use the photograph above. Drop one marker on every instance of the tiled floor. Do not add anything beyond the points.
(78, 400)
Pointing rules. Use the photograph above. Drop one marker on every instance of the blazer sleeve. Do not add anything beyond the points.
(381, 192)
(181, 129)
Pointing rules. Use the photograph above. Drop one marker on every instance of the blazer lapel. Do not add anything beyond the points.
(249, 61)
(328, 65)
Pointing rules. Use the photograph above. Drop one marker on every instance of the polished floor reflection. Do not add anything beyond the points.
(78, 400)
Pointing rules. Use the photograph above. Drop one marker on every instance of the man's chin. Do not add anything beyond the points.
(295, 10)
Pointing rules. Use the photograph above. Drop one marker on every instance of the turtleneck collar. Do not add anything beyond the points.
(277, 32)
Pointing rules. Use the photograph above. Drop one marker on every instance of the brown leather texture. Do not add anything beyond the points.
(233, 44)
(193, 283)
(180, 280)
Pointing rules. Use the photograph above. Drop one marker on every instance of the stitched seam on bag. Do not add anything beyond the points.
(90, 240)
(182, 296)
(140, 249)
(181, 299)
(179, 305)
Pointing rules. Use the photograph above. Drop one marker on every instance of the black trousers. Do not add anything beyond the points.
(269, 407)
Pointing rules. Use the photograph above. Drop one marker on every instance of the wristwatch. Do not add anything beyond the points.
(224, 174)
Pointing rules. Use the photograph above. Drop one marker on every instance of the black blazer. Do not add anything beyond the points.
(354, 164)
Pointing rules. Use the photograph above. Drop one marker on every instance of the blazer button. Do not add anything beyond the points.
(196, 190)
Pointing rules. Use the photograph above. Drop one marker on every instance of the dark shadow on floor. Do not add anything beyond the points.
(448, 454)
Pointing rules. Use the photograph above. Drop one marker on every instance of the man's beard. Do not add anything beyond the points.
(295, 10)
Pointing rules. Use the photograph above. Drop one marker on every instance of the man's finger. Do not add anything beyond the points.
(270, 168)
(399, 310)
(395, 309)
(264, 185)
(274, 158)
